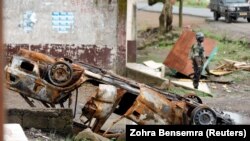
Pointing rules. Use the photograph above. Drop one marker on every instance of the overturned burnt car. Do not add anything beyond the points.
(52, 80)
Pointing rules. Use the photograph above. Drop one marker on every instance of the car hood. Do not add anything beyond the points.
(238, 5)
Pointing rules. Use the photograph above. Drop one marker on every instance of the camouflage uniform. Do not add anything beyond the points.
(197, 56)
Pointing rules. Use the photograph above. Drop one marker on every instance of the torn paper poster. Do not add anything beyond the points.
(29, 20)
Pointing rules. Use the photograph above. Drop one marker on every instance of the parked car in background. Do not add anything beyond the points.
(230, 9)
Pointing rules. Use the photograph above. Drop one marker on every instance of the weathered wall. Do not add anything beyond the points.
(131, 30)
(95, 36)
(143, 77)
(59, 120)
(121, 35)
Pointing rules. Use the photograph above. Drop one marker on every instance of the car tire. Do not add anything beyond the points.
(234, 18)
(203, 115)
(228, 19)
(216, 16)
(60, 74)
(248, 19)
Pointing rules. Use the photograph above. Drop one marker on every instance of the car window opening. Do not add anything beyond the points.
(27, 66)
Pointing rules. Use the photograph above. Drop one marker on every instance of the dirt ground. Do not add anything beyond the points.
(234, 97)
(236, 30)
(150, 20)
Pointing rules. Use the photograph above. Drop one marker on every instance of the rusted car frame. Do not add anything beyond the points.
(51, 81)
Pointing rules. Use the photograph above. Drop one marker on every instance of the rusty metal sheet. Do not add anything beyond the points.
(151, 107)
(101, 105)
(104, 100)
(178, 58)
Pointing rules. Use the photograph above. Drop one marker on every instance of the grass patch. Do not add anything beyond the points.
(165, 44)
(239, 76)
(237, 50)
(183, 91)
(153, 38)
(153, 53)
(193, 3)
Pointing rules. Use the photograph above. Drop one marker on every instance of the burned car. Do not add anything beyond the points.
(51, 81)
(40, 77)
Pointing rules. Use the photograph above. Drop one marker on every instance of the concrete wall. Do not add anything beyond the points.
(97, 35)
(143, 77)
(59, 120)
(131, 31)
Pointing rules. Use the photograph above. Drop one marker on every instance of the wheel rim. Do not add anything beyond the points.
(203, 116)
(60, 74)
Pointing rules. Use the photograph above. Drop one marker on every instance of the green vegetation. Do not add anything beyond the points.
(237, 50)
(239, 76)
(182, 91)
(155, 53)
(193, 3)
(165, 43)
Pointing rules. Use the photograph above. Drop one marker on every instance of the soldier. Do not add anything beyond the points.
(198, 58)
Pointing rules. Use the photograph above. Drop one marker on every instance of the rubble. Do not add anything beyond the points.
(159, 67)
(52, 80)
(230, 66)
(53, 120)
(89, 135)
(34, 134)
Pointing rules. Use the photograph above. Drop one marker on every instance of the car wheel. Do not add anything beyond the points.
(202, 115)
(216, 16)
(248, 19)
(60, 74)
(228, 19)
(234, 18)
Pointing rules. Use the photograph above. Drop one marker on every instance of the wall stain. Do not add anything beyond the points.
(92, 54)
(121, 35)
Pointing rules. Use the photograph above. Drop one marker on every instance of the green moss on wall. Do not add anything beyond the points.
(122, 8)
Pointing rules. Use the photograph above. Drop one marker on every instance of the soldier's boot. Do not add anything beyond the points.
(196, 79)
(196, 84)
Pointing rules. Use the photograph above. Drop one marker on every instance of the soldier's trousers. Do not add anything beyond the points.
(197, 66)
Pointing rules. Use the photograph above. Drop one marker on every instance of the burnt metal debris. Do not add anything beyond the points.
(52, 80)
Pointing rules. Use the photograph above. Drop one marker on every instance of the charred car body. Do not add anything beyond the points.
(230, 9)
(51, 81)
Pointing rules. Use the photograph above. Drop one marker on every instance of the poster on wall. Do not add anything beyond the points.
(62, 22)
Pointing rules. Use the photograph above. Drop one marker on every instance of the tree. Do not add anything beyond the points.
(166, 17)
(180, 12)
